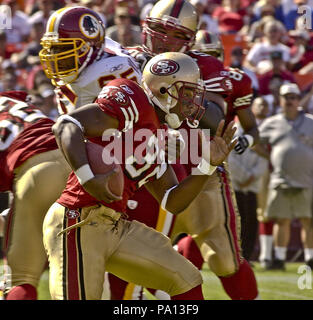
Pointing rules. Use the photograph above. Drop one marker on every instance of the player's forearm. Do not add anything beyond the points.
(185, 192)
(70, 140)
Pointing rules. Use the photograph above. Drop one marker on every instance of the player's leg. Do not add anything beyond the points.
(38, 183)
(143, 258)
(241, 284)
(144, 208)
(214, 221)
(77, 256)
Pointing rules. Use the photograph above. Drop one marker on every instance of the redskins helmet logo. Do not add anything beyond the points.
(164, 67)
(89, 26)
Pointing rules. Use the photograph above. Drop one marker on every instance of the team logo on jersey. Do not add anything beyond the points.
(114, 93)
(116, 68)
(89, 26)
(72, 214)
(164, 67)
(132, 204)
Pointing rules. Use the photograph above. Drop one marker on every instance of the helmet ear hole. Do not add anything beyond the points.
(162, 90)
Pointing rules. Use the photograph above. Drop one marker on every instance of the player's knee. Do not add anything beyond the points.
(221, 266)
(181, 284)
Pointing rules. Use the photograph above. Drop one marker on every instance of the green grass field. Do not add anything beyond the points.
(273, 285)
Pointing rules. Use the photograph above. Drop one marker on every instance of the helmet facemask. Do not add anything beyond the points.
(190, 98)
(64, 59)
(158, 42)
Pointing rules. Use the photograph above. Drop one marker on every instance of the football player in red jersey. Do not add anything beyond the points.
(34, 170)
(212, 219)
(84, 231)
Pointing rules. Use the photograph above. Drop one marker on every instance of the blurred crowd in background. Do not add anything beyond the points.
(264, 38)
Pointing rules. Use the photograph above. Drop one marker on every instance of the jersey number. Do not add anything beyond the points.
(128, 74)
(10, 128)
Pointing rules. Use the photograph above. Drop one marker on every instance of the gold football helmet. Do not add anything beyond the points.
(209, 43)
(74, 38)
(170, 26)
(173, 78)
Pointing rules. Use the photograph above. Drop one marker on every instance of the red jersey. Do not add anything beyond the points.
(215, 76)
(24, 132)
(127, 102)
(242, 93)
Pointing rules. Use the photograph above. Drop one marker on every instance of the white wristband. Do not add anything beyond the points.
(84, 174)
(250, 139)
(205, 168)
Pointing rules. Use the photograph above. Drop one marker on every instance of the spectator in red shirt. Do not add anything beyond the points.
(278, 69)
(301, 49)
(230, 16)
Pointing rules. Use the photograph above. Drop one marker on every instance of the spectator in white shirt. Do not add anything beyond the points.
(258, 58)
(20, 25)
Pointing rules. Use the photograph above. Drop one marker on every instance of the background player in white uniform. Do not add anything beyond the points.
(79, 59)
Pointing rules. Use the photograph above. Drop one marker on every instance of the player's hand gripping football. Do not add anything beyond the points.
(98, 187)
(221, 145)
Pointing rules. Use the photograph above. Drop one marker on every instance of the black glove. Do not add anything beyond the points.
(241, 145)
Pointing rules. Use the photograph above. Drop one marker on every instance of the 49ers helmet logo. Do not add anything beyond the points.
(164, 67)
(89, 26)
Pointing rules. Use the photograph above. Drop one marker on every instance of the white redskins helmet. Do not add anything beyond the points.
(174, 77)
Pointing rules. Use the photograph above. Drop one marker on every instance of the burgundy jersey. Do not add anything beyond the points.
(126, 101)
(241, 96)
(24, 132)
(215, 76)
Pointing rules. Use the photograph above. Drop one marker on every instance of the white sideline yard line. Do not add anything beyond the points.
(290, 295)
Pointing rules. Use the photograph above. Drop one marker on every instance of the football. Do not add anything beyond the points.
(100, 162)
